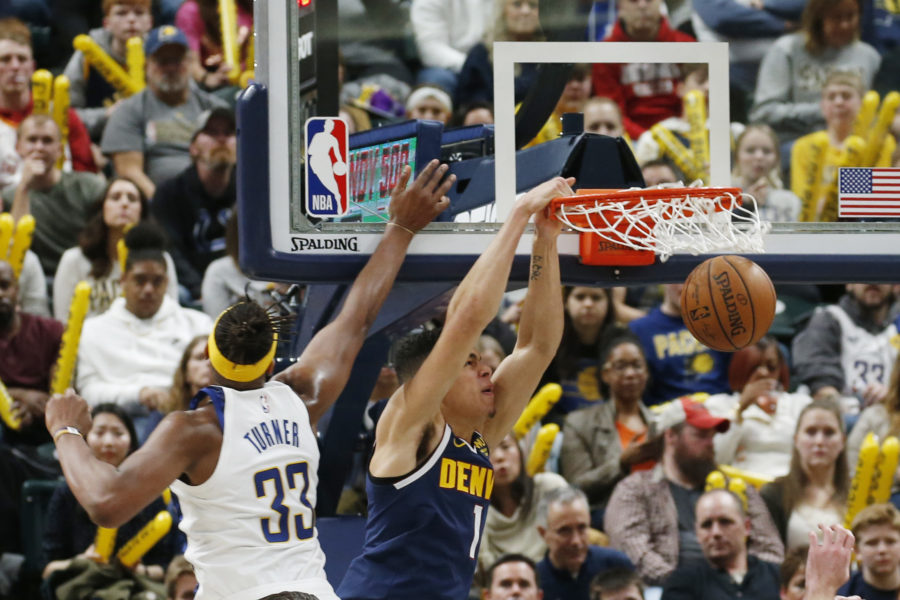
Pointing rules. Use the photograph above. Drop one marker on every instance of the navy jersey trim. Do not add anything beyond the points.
(217, 396)
(402, 481)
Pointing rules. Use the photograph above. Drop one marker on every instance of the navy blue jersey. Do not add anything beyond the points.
(424, 529)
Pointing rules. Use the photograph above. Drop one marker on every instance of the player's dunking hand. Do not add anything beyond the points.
(415, 207)
(828, 563)
(67, 410)
(537, 198)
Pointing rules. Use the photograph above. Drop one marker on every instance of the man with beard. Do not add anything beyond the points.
(29, 345)
(727, 571)
(848, 349)
(195, 205)
(571, 561)
(148, 135)
(650, 515)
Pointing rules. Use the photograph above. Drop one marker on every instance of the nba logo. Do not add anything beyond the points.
(327, 187)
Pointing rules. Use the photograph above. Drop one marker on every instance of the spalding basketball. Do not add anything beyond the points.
(340, 168)
(728, 303)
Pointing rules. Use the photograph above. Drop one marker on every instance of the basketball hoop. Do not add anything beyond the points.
(630, 227)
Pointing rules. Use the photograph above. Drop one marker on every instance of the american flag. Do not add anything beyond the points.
(868, 192)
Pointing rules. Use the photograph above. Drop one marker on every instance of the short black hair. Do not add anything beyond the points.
(114, 409)
(509, 558)
(244, 333)
(412, 352)
(613, 580)
(145, 241)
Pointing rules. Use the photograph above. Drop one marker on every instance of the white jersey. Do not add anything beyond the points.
(250, 527)
(865, 357)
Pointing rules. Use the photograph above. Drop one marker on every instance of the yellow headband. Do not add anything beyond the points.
(231, 370)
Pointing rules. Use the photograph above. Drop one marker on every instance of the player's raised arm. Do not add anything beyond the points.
(113, 495)
(417, 403)
(321, 372)
(540, 331)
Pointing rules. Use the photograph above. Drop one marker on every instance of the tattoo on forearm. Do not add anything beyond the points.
(537, 265)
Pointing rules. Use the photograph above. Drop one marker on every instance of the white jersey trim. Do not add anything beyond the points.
(412, 477)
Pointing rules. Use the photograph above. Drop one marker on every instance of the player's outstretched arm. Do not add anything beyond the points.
(110, 495)
(321, 372)
(828, 563)
(472, 307)
(540, 331)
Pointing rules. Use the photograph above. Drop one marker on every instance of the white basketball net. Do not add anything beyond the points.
(687, 223)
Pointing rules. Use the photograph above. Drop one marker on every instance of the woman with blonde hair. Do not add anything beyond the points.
(757, 170)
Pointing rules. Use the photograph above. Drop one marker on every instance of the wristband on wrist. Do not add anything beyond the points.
(64, 431)
(406, 229)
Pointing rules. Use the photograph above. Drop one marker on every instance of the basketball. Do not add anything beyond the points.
(728, 302)
(340, 168)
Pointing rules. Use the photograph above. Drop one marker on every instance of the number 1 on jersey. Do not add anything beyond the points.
(478, 510)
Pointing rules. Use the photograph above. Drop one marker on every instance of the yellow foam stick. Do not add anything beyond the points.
(230, 49)
(887, 466)
(250, 62)
(866, 113)
(877, 133)
(105, 542)
(122, 252)
(134, 60)
(132, 552)
(6, 409)
(106, 65)
(810, 188)
(754, 479)
(20, 244)
(7, 224)
(715, 481)
(167, 495)
(65, 363)
(541, 450)
(60, 112)
(539, 405)
(738, 486)
(695, 111)
(246, 76)
(674, 149)
(858, 498)
(41, 88)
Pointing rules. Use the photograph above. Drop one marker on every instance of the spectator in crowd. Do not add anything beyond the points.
(58, 200)
(513, 577)
(609, 440)
(514, 21)
(128, 354)
(29, 345)
(659, 171)
(511, 525)
(223, 281)
(757, 171)
(16, 69)
(192, 374)
(602, 115)
(572, 100)
(617, 584)
(645, 92)
(445, 32)
(194, 206)
(33, 286)
(590, 322)
(96, 257)
(679, 364)
(793, 69)
(199, 20)
(877, 532)
(427, 101)
(68, 541)
(881, 418)
(650, 514)
(148, 135)
(180, 580)
(815, 489)
(727, 571)
(846, 348)
(792, 577)
(93, 97)
(473, 113)
(763, 414)
(813, 179)
(571, 562)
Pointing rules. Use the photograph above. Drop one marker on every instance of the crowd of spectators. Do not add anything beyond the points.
(621, 508)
